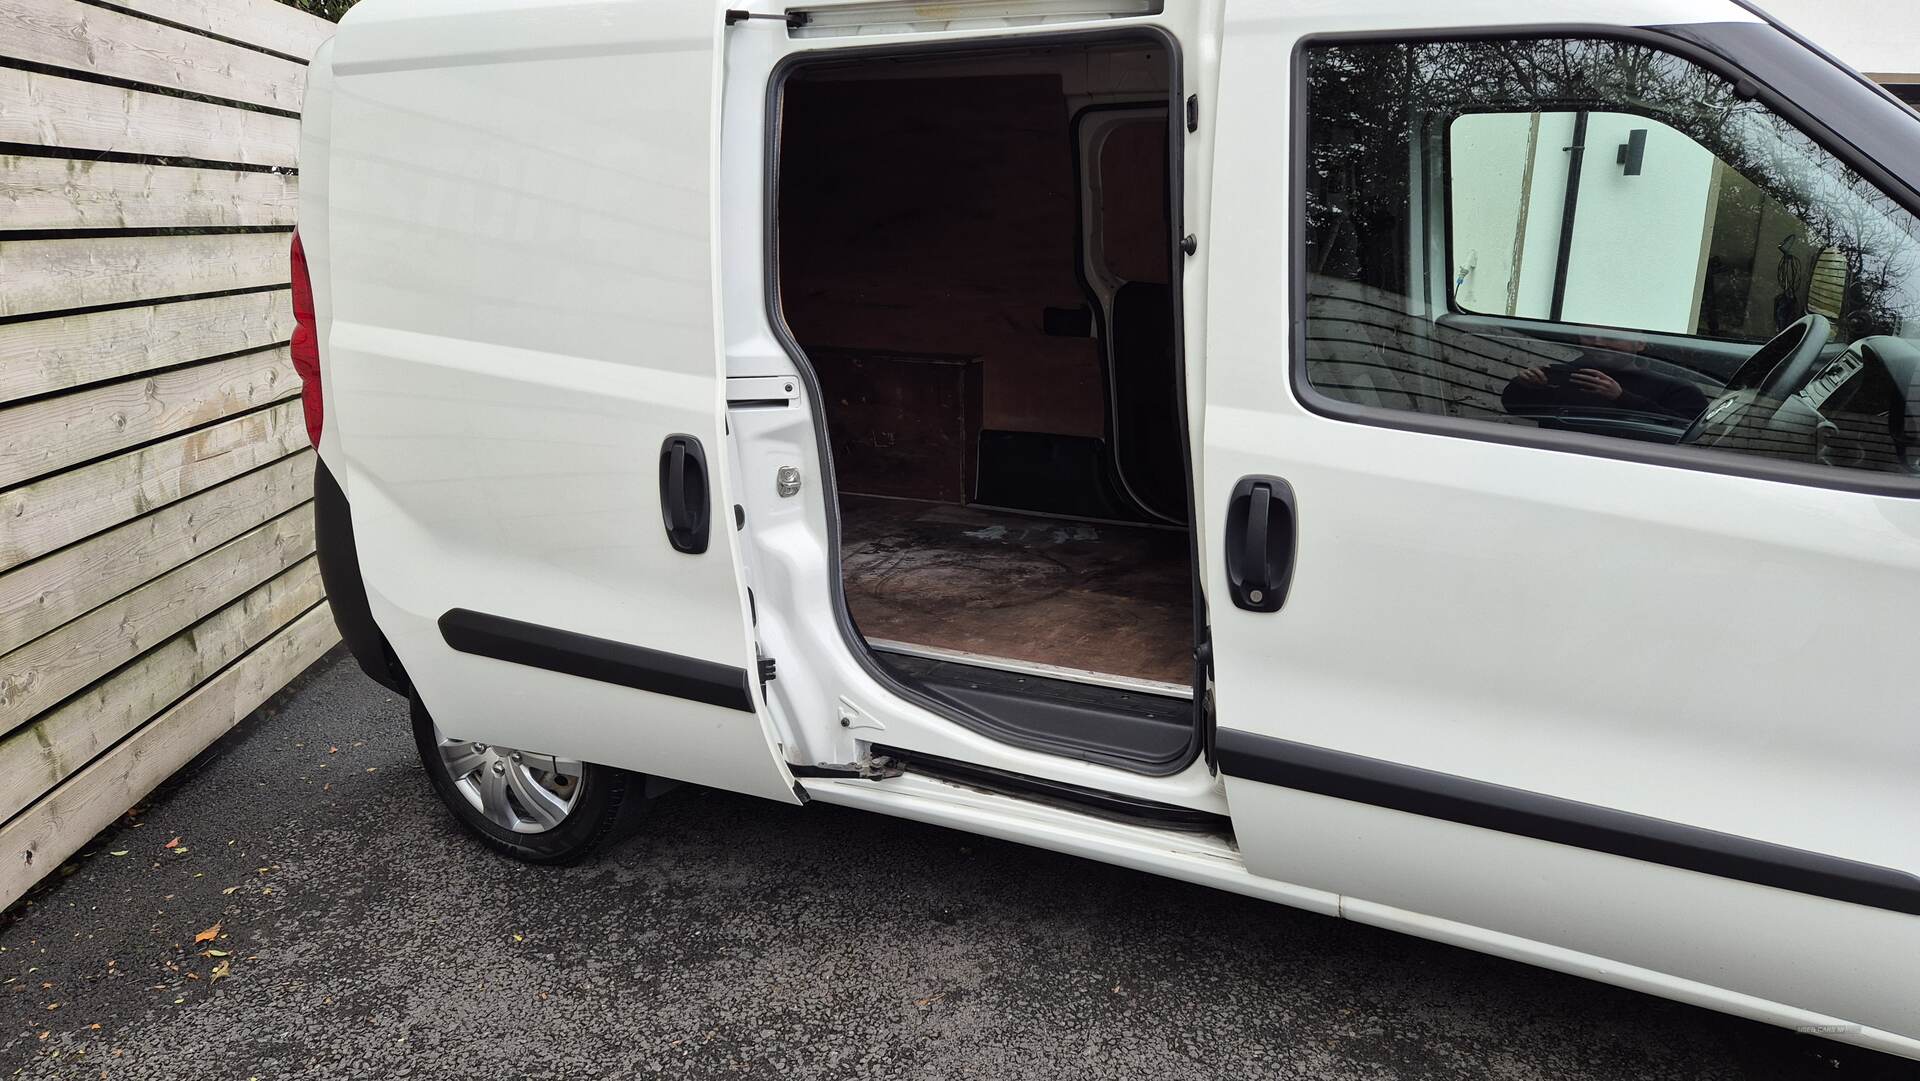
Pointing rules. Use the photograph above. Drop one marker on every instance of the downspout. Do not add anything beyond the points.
(1579, 155)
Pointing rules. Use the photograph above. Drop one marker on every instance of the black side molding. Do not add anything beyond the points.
(596, 658)
(1562, 821)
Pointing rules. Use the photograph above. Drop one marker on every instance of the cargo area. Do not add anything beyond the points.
(974, 255)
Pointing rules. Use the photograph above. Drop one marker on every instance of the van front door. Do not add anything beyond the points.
(525, 365)
(1531, 630)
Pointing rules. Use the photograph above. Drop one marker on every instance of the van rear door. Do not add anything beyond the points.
(524, 372)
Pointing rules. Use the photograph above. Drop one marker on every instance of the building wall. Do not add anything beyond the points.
(1880, 39)
(1636, 255)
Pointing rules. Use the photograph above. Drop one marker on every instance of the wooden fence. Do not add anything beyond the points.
(157, 579)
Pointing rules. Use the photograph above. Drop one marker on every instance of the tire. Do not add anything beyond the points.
(602, 805)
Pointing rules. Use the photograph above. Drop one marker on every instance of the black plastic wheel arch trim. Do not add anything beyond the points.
(1468, 802)
(598, 659)
(346, 589)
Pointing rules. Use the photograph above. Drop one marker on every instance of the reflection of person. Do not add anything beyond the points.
(1616, 377)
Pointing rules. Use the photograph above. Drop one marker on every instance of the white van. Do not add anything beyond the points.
(1454, 467)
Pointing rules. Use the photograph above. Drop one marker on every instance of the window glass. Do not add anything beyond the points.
(1593, 236)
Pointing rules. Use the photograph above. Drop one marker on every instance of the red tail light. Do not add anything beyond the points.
(305, 346)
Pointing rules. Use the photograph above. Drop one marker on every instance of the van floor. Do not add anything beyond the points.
(1093, 596)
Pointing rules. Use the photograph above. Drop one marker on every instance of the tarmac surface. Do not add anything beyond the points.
(362, 935)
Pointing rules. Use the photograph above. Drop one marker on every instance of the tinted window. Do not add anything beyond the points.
(1596, 237)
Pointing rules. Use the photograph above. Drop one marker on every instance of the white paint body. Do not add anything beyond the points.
(537, 235)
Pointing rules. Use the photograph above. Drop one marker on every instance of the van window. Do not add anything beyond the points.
(1595, 237)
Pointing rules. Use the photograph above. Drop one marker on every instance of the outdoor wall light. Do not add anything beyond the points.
(1633, 151)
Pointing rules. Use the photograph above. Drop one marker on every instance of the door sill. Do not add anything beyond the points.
(1203, 858)
(1033, 668)
(1078, 798)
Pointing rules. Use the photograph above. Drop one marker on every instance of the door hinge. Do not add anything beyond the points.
(793, 19)
(1193, 112)
(878, 767)
(767, 670)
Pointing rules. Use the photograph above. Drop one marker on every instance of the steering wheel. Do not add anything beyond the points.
(1777, 368)
(1765, 379)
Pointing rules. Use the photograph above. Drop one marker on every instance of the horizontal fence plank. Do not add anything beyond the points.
(41, 596)
(40, 356)
(61, 742)
(76, 193)
(49, 110)
(39, 838)
(52, 513)
(83, 272)
(102, 41)
(50, 434)
(268, 24)
(38, 675)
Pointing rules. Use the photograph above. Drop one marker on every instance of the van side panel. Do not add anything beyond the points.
(523, 312)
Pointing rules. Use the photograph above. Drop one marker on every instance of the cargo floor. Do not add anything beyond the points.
(1089, 596)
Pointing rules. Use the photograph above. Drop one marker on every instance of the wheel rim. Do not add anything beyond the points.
(522, 791)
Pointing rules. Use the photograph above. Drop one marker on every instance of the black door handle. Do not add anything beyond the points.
(1260, 543)
(683, 493)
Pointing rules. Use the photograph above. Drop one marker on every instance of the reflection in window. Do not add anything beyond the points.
(1592, 236)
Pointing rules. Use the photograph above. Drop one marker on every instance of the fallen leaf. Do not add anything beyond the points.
(222, 970)
(181, 851)
(333, 750)
(229, 890)
(95, 1027)
(193, 975)
(213, 953)
(517, 938)
(122, 852)
(52, 1006)
(208, 935)
(175, 843)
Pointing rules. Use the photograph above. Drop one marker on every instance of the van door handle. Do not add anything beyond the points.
(684, 493)
(1260, 539)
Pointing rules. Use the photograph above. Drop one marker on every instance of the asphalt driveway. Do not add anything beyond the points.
(359, 935)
